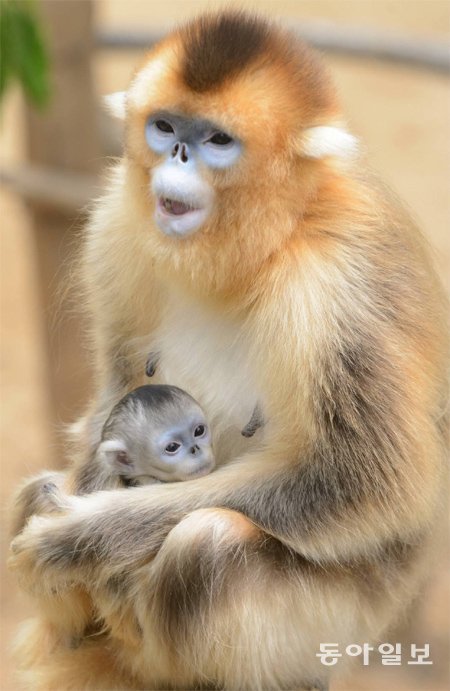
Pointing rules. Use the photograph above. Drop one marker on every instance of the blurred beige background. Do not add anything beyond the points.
(402, 114)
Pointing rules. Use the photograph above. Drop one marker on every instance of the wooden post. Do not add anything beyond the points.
(64, 137)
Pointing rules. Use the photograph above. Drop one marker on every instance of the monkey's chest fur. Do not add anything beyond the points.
(206, 353)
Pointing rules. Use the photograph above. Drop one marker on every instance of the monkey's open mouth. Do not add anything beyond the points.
(174, 207)
(179, 218)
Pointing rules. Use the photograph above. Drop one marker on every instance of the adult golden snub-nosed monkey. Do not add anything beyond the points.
(242, 240)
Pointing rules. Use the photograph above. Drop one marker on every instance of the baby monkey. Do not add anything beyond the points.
(155, 433)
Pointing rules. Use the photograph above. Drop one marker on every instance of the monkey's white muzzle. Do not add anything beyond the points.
(184, 201)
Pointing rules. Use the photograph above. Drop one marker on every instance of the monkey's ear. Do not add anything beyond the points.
(116, 104)
(115, 452)
(327, 140)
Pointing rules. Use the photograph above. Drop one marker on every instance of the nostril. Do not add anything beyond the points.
(184, 154)
(194, 449)
(175, 150)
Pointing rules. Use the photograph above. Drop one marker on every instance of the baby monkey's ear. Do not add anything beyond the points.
(327, 140)
(116, 104)
(114, 452)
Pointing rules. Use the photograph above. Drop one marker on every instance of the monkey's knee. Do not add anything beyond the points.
(201, 560)
(212, 527)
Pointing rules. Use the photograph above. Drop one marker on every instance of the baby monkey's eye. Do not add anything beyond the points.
(199, 431)
(220, 138)
(164, 126)
(172, 447)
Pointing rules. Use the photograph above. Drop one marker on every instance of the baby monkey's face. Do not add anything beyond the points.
(158, 432)
(181, 448)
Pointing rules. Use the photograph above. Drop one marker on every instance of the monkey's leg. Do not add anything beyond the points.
(225, 604)
(220, 601)
(44, 665)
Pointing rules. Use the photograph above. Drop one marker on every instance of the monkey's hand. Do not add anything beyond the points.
(35, 556)
(39, 495)
(78, 546)
(24, 558)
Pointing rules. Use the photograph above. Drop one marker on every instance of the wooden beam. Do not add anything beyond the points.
(49, 189)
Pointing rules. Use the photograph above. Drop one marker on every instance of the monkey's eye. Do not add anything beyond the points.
(164, 126)
(200, 431)
(172, 447)
(220, 139)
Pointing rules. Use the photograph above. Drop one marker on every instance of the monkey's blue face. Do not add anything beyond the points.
(184, 198)
(184, 451)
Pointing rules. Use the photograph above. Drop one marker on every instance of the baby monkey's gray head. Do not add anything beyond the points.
(158, 432)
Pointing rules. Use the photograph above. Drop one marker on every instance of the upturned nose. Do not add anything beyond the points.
(194, 449)
(181, 152)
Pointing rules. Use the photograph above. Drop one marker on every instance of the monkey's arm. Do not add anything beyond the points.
(323, 511)
(46, 493)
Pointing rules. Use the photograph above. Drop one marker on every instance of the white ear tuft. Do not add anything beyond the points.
(327, 140)
(116, 104)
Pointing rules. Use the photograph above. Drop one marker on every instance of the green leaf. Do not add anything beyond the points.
(23, 56)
